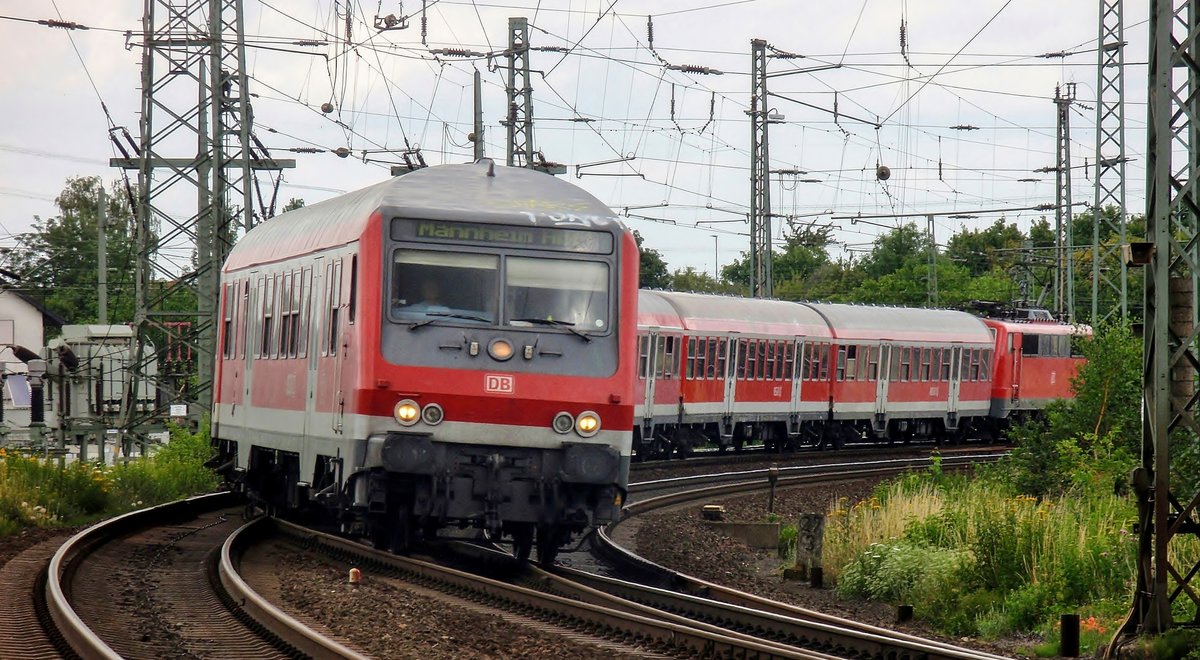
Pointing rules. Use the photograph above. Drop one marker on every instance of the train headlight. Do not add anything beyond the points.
(432, 414)
(500, 349)
(407, 412)
(564, 422)
(587, 424)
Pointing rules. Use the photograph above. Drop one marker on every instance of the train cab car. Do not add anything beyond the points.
(726, 370)
(906, 373)
(1034, 364)
(451, 346)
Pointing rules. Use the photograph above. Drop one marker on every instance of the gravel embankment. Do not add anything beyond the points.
(390, 621)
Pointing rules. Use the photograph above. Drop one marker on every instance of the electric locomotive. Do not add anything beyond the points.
(454, 346)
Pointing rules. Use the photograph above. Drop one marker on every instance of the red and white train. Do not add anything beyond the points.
(466, 345)
(724, 370)
(455, 346)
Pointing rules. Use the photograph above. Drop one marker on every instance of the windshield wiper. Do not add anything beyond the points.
(557, 324)
(442, 315)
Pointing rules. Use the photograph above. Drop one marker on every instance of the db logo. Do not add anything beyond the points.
(498, 383)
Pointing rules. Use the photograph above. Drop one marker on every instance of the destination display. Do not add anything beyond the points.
(534, 238)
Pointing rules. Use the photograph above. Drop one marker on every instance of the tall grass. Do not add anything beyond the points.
(976, 559)
(38, 493)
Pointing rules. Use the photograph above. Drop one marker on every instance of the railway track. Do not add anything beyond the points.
(621, 625)
(737, 610)
(675, 597)
(162, 583)
(165, 582)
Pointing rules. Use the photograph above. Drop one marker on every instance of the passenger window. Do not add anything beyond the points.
(268, 298)
(643, 356)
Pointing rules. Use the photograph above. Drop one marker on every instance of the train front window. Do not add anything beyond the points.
(459, 286)
(556, 291)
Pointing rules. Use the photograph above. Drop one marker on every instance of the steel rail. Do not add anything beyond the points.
(81, 638)
(687, 638)
(268, 616)
(710, 600)
(746, 480)
(240, 600)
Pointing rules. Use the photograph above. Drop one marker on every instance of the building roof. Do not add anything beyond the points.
(48, 317)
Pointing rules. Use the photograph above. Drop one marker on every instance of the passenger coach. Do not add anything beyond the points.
(455, 345)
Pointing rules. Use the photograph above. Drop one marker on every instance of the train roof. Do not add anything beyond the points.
(708, 313)
(1040, 327)
(480, 192)
(901, 323)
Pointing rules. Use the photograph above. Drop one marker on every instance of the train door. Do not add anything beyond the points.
(313, 341)
(884, 377)
(649, 347)
(253, 315)
(1017, 356)
(731, 362)
(797, 380)
(334, 336)
(956, 356)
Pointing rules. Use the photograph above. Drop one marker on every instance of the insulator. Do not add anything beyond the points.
(650, 31)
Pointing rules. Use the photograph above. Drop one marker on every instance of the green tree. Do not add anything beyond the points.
(892, 250)
(652, 270)
(58, 260)
(293, 204)
(803, 253)
(1102, 424)
(690, 279)
(983, 250)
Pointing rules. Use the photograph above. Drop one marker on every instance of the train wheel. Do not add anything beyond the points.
(548, 538)
(378, 532)
(522, 536)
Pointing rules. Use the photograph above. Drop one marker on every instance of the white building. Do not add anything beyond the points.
(22, 321)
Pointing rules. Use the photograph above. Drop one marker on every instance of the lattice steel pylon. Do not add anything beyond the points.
(761, 278)
(1064, 278)
(1110, 277)
(1171, 360)
(195, 100)
(520, 96)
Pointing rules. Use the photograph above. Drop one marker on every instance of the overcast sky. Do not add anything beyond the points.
(963, 64)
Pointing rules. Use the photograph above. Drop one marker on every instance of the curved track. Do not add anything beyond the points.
(620, 623)
(155, 583)
(739, 611)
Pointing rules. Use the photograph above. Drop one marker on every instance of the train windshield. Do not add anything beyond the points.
(427, 284)
(556, 291)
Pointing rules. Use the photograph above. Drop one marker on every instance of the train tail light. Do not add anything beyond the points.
(563, 422)
(432, 414)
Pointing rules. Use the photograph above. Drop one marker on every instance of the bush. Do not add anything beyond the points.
(901, 572)
(38, 493)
